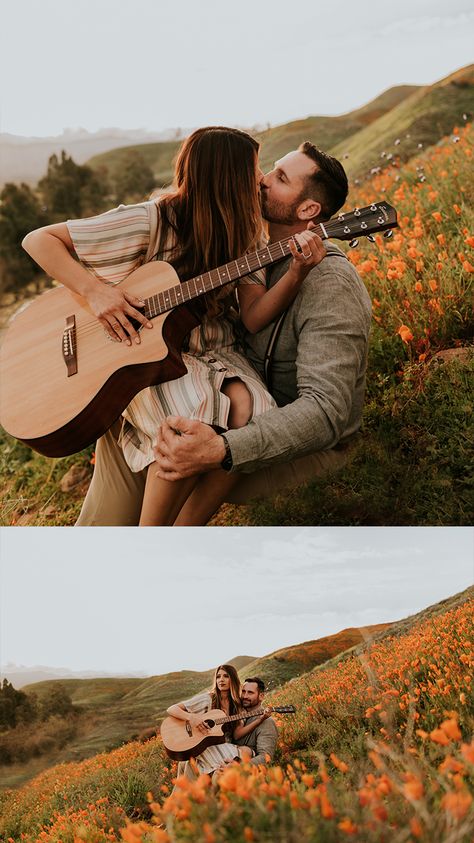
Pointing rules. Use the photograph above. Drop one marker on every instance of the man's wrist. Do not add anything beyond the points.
(226, 462)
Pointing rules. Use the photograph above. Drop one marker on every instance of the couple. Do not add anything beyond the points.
(220, 422)
(253, 739)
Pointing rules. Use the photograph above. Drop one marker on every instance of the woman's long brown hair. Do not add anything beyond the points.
(215, 209)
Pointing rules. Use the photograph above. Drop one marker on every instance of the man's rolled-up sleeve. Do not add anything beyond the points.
(332, 324)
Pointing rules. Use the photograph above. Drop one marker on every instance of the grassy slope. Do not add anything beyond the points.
(125, 775)
(324, 131)
(427, 115)
(288, 662)
(117, 710)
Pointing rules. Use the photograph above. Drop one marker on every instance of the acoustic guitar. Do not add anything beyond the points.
(183, 741)
(63, 381)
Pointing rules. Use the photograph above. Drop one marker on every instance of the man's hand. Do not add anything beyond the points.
(312, 252)
(184, 448)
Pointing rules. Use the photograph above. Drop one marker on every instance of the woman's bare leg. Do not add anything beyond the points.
(211, 488)
(163, 499)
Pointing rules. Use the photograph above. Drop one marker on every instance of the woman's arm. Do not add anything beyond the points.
(179, 711)
(259, 306)
(52, 248)
(243, 728)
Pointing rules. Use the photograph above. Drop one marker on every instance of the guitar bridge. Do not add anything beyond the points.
(69, 346)
(189, 728)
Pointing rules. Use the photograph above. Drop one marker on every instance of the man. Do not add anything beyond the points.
(263, 739)
(317, 370)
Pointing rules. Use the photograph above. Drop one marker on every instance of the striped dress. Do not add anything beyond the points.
(111, 246)
(213, 756)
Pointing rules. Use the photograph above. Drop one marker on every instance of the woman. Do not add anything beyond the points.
(211, 218)
(224, 695)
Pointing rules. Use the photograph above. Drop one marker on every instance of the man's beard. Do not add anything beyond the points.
(278, 212)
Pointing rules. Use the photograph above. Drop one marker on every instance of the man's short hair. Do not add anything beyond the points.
(328, 185)
(258, 682)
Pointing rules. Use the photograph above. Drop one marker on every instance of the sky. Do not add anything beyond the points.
(158, 600)
(156, 64)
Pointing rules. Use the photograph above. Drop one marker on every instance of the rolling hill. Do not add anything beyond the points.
(422, 118)
(409, 113)
(118, 710)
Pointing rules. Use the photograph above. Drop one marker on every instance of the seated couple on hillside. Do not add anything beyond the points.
(264, 404)
(252, 739)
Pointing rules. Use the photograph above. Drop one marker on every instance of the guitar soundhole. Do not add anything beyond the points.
(210, 723)
(136, 324)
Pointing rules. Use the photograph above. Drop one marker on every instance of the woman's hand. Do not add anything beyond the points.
(198, 723)
(312, 253)
(113, 306)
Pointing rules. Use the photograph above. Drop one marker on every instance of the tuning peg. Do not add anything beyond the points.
(371, 238)
(388, 234)
(373, 207)
(356, 212)
(354, 243)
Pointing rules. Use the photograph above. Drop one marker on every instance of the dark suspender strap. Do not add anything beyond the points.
(271, 345)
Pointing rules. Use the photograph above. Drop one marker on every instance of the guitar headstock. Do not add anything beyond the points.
(362, 222)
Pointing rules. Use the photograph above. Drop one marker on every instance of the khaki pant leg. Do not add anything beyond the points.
(270, 481)
(114, 498)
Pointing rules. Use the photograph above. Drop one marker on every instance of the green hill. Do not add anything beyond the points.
(324, 131)
(114, 711)
(327, 132)
(285, 664)
(413, 114)
(422, 118)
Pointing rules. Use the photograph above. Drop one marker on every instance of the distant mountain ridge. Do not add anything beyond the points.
(20, 675)
(25, 159)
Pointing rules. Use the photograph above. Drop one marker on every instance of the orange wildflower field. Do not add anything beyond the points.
(380, 749)
(421, 278)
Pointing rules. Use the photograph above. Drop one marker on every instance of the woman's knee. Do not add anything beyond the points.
(240, 403)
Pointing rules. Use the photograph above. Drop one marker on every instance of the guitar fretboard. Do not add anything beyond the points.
(215, 278)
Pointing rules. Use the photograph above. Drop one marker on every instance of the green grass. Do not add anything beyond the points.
(411, 466)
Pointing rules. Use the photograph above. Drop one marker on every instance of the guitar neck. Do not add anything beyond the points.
(216, 278)
(232, 718)
(363, 221)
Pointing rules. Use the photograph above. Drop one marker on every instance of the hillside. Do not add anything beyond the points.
(411, 113)
(325, 131)
(378, 749)
(285, 664)
(118, 710)
(422, 118)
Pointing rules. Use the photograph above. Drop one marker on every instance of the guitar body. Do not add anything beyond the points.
(57, 414)
(63, 381)
(182, 741)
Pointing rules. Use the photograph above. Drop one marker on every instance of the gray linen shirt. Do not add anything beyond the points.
(262, 740)
(318, 369)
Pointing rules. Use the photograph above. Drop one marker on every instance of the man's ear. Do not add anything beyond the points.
(308, 209)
